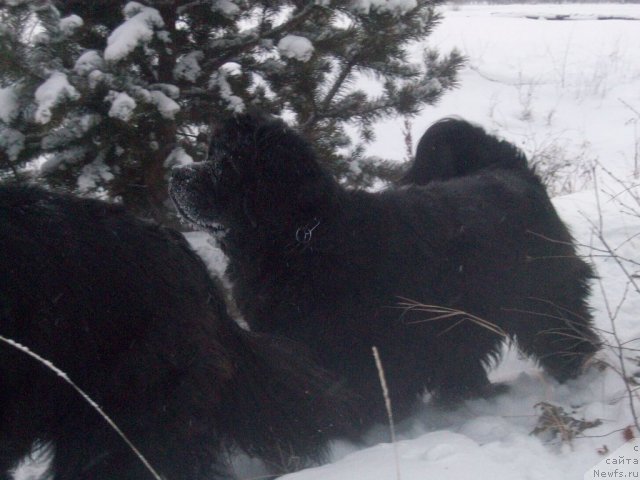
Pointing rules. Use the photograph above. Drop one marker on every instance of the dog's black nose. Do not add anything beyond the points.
(189, 180)
(180, 172)
(187, 176)
(181, 181)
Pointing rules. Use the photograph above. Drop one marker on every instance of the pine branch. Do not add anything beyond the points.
(250, 41)
(10, 166)
(135, 136)
(346, 71)
(326, 103)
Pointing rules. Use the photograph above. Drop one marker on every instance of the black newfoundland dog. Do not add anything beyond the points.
(129, 312)
(436, 276)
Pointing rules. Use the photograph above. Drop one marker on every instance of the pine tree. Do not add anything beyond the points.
(106, 96)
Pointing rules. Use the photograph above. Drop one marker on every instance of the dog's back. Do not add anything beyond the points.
(453, 147)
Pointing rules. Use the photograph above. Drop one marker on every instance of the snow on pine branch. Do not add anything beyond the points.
(69, 25)
(219, 80)
(122, 105)
(73, 127)
(226, 7)
(294, 46)
(137, 30)
(398, 7)
(93, 175)
(8, 104)
(188, 67)
(88, 62)
(54, 90)
(167, 107)
(12, 142)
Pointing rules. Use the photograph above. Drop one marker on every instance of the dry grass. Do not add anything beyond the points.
(557, 424)
(446, 313)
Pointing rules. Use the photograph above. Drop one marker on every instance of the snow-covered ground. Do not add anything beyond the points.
(566, 90)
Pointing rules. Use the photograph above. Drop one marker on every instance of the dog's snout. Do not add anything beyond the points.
(191, 174)
(181, 172)
(183, 179)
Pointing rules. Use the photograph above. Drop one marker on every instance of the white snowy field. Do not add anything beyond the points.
(547, 85)
(562, 90)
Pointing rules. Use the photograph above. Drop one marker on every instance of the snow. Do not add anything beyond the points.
(226, 7)
(88, 62)
(392, 6)
(122, 105)
(141, 94)
(444, 455)
(178, 156)
(231, 69)
(12, 142)
(93, 174)
(73, 128)
(54, 90)
(294, 46)
(61, 159)
(95, 78)
(204, 245)
(68, 25)
(137, 30)
(188, 67)
(36, 466)
(219, 80)
(8, 104)
(167, 107)
(172, 91)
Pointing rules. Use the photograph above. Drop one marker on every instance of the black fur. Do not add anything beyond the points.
(129, 312)
(452, 148)
(337, 269)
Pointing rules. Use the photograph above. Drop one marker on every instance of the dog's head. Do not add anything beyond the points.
(259, 174)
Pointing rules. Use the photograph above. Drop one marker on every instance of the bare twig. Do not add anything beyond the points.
(613, 311)
(630, 107)
(408, 139)
(387, 404)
